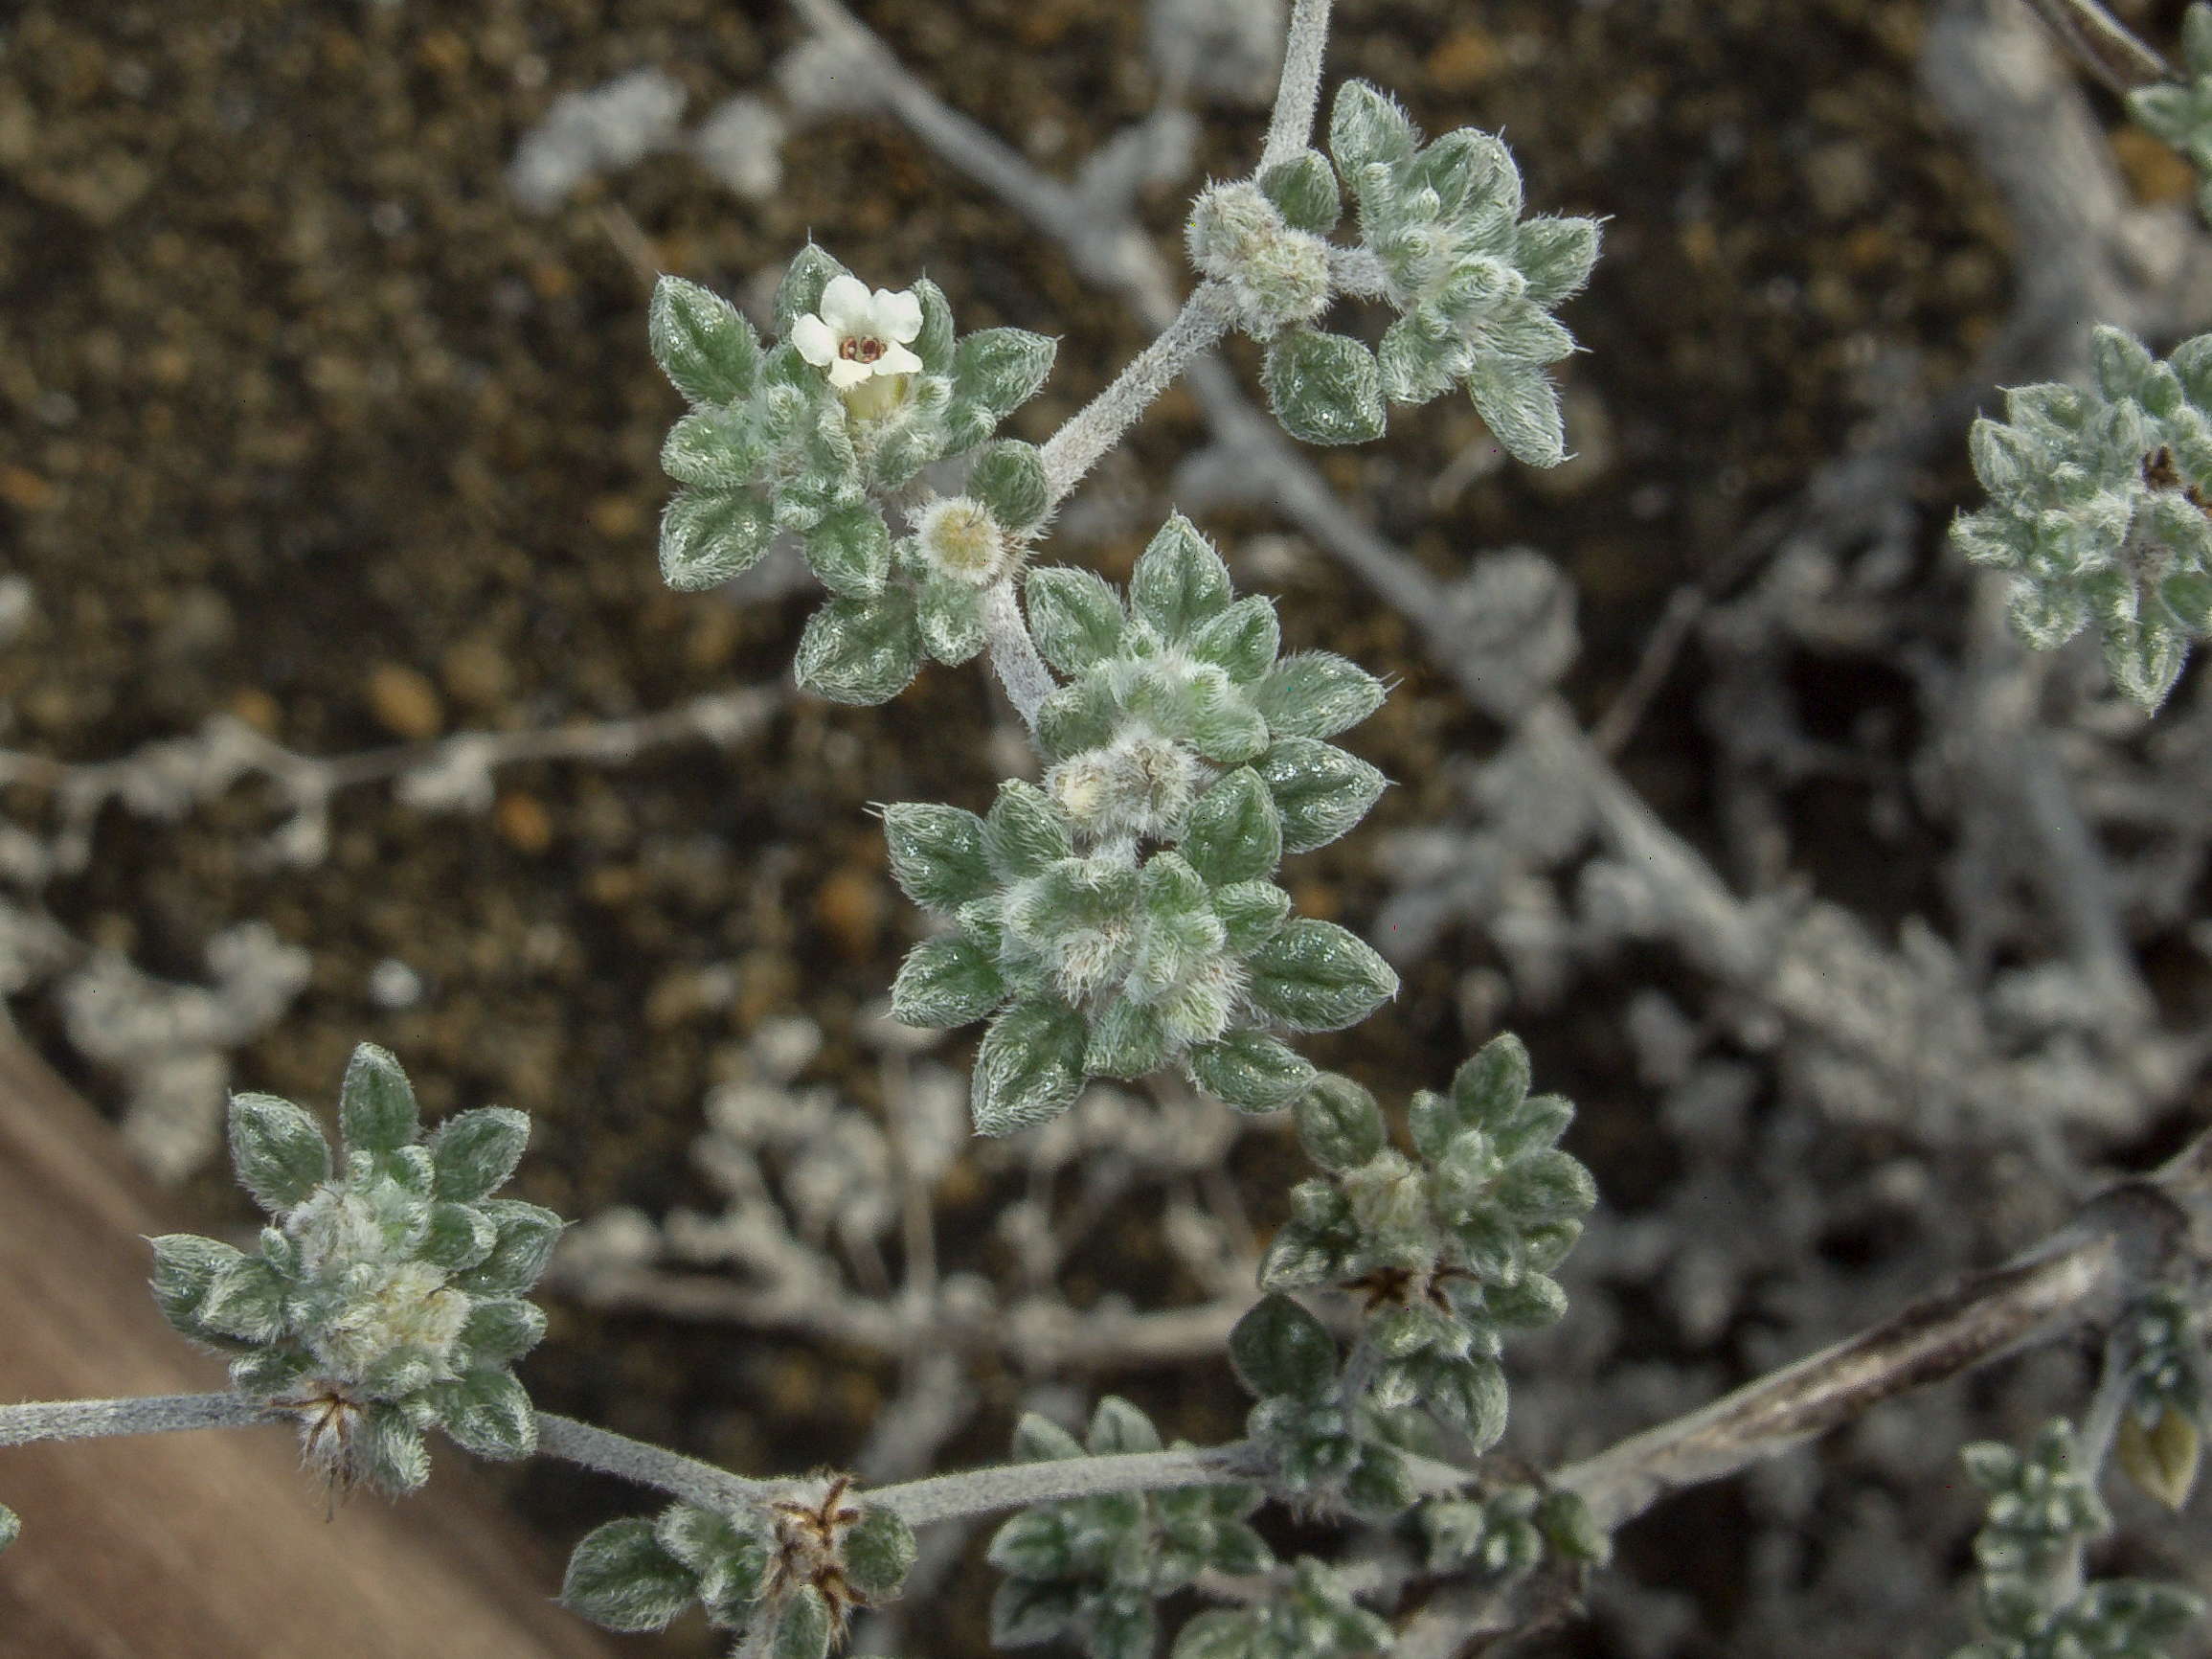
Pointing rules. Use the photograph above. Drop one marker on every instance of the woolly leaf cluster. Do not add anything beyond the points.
(2161, 1442)
(1089, 1570)
(385, 1299)
(785, 1579)
(1314, 1617)
(1448, 1249)
(1473, 283)
(2039, 1511)
(1507, 1533)
(1124, 915)
(2099, 509)
(770, 446)
(2180, 112)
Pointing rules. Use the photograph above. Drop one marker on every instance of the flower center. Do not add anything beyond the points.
(860, 349)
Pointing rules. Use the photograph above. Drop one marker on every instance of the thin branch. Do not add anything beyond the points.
(146, 1414)
(1014, 1486)
(1935, 1338)
(2106, 46)
(649, 1466)
(1099, 424)
(1289, 128)
(1014, 657)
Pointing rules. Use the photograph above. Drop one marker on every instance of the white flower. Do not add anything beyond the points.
(857, 335)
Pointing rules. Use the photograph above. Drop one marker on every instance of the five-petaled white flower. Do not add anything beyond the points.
(857, 335)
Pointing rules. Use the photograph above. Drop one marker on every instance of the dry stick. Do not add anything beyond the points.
(2121, 1243)
(2104, 46)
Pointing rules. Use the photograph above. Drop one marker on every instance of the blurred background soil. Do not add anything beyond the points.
(303, 419)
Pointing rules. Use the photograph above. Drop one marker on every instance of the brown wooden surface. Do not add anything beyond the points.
(208, 1545)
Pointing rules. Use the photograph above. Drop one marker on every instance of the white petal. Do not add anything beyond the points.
(816, 340)
(898, 316)
(845, 306)
(845, 374)
(896, 359)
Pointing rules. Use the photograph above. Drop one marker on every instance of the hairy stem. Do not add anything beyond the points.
(148, 1414)
(1014, 653)
(1289, 128)
(1014, 1486)
(1098, 425)
(649, 1466)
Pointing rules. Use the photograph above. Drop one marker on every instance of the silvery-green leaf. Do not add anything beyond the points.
(1118, 1426)
(1216, 717)
(938, 854)
(1526, 332)
(934, 345)
(1123, 1627)
(799, 292)
(245, 1300)
(1029, 1068)
(488, 1413)
(1316, 976)
(1082, 714)
(1416, 363)
(1529, 1302)
(1571, 1529)
(708, 352)
(1278, 1347)
(1026, 1611)
(2121, 364)
(1489, 1088)
(1367, 128)
(995, 371)
(859, 650)
(2004, 457)
(1519, 404)
(1040, 1440)
(1025, 831)
(459, 1237)
(851, 551)
(392, 1456)
(1472, 1397)
(1250, 1071)
(184, 1266)
(803, 1629)
(707, 536)
(1339, 1124)
(1009, 479)
(620, 1576)
(1129, 1040)
(2144, 660)
(879, 1552)
(1251, 913)
(1241, 641)
(1180, 581)
(1316, 695)
(1539, 1122)
(1548, 1185)
(1074, 615)
(946, 981)
(1320, 791)
(501, 1329)
(1324, 388)
(1304, 191)
(950, 615)
(526, 1236)
(1234, 833)
(716, 449)
(1556, 255)
(473, 1153)
(277, 1150)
